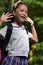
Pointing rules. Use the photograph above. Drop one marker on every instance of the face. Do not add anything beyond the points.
(21, 13)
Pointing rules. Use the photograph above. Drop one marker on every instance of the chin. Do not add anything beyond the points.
(22, 20)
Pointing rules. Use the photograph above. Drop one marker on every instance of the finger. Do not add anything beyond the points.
(3, 13)
(10, 17)
(8, 20)
(7, 13)
(10, 14)
(25, 20)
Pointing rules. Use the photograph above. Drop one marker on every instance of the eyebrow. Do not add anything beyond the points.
(25, 10)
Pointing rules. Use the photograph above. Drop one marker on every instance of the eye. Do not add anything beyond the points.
(22, 10)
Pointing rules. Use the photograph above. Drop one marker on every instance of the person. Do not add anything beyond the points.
(18, 46)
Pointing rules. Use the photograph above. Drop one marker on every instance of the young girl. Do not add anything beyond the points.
(18, 46)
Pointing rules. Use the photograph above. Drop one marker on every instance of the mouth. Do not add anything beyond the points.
(23, 17)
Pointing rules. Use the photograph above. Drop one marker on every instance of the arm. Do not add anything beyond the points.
(4, 18)
(34, 37)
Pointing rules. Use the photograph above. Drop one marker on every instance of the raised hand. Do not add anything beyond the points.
(5, 17)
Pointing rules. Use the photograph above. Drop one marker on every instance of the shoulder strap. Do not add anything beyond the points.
(8, 35)
(26, 29)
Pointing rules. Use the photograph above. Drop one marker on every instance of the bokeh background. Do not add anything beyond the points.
(35, 12)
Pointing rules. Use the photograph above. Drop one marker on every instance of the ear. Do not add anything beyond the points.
(14, 13)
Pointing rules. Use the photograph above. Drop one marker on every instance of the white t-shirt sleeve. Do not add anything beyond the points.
(29, 35)
(3, 31)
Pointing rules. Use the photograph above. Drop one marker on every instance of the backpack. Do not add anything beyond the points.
(4, 42)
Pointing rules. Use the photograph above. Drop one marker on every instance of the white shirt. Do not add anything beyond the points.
(19, 42)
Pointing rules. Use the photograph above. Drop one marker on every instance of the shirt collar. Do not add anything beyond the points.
(17, 25)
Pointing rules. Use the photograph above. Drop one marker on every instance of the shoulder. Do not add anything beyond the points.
(5, 27)
(29, 34)
(3, 31)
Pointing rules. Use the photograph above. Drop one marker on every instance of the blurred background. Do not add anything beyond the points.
(35, 12)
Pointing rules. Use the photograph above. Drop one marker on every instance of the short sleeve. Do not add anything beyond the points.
(29, 35)
(3, 31)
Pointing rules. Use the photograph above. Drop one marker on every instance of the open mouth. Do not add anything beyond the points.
(23, 17)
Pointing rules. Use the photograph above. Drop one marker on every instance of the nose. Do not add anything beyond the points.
(25, 14)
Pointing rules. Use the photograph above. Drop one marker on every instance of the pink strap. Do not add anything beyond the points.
(0, 55)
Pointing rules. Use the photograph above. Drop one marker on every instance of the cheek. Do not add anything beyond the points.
(26, 14)
(18, 13)
(18, 16)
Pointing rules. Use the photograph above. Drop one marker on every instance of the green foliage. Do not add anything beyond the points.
(36, 54)
(2, 8)
(35, 12)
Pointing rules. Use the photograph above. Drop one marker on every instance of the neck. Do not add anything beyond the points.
(19, 24)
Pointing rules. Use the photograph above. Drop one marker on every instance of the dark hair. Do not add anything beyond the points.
(12, 18)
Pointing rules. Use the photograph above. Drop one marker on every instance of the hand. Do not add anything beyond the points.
(5, 17)
(29, 20)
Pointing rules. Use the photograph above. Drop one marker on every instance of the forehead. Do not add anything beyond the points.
(22, 6)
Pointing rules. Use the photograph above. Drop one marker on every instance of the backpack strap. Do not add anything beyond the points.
(26, 29)
(8, 35)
